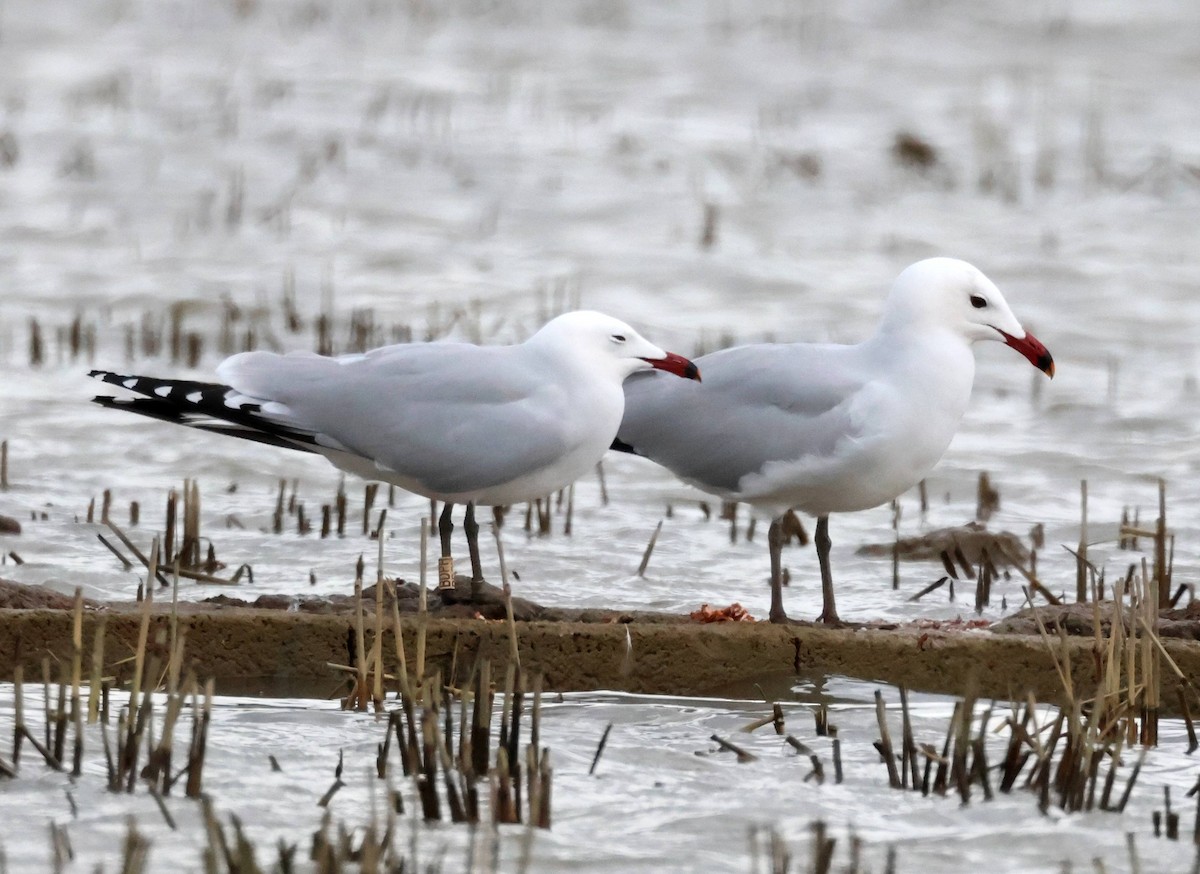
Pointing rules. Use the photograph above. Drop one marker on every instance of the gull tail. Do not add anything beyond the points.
(206, 406)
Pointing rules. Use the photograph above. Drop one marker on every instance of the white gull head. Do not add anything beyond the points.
(602, 342)
(940, 294)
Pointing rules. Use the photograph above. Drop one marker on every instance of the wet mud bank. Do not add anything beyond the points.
(262, 651)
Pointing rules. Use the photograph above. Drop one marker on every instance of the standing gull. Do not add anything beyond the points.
(459, 423)
(825, 428)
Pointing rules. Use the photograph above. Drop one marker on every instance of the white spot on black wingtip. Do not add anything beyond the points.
(163, 390)
(328, 442)
(194, 397)
(131, 382)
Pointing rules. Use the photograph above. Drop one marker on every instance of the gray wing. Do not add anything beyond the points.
(756, 404)
(451, 416)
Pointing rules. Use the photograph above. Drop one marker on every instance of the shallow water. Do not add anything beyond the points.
(507, 159)
(675, 802)
(526, 157)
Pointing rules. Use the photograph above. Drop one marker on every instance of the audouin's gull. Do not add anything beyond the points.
(824, 428)
(459, 423)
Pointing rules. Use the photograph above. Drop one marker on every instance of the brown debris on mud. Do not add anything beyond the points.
(284, 646)
(973, 539)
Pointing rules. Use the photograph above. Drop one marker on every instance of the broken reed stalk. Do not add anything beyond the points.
(18, 713)
(600, 749)
(191, 524)
(169, 527)
(76, 680)
(481, 723)
(357, 699)
(199, 743)
(1081, 563)
(137, 727)
(1151, 659)
(818, 771)
(1187, 720)
(56, 714)
(885, 743)
(936, 584)
(422, 606)
(908, 747)
(1162, 578)
(97, 669)
(126, 564)
(369, 493)
(538, 770)
(21, 730)
(641, 571)
(377, 646)
(1064, 675)
(157, 772)
(820, 719)
(515, 690)
(514, 650)
(603, 484)
(1034, 582)
(277, 516)
(568, 522)
(398, 640)
(139, 554)
(743, 756)
(139, 663)
(506, 775)
(959, 735)
(175, 638)
(455, 789)
(340, 504)
(775, 718)
(426, 776)
(895, 544)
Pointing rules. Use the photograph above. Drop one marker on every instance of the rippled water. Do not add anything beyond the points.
(506, 159)
(662, 797)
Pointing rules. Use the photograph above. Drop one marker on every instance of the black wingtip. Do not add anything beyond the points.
(168, 411)
(619, 445)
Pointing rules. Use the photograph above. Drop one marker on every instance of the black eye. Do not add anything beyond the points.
(618, 338)
(978, 302)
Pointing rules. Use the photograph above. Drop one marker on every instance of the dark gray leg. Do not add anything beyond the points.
(775, 545)
(822, 542)
(445, 529)
(445, 574)
(471, 529)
